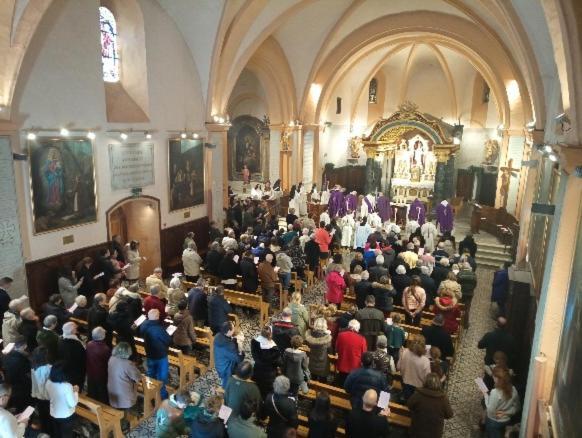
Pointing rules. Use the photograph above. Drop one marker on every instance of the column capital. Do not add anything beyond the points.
(444, 151)
(217, 127)
(570, 157)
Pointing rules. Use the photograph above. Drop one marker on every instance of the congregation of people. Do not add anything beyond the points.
(367, 331)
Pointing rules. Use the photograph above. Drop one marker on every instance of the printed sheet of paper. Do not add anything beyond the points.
(256, 260)
(235, 258)
(171, 329)
(8, 348)
(224, 413)
(383, 400)
(26, 413)
(73, 307)
(139, 320)
(481, 384)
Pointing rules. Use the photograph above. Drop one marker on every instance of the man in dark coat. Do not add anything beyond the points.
(364, 378)
(72, 352)
(365, 421)
(440, 271)
(400, 281)
(55, 306)
(428, 284)
(198, 304)
(213, 258)
(16, 368)
(97, 316)
(372, 322)
(48, 338)
(500, 287)
(218, 309)
(5, 283)
(498, 339)
(437, 336)
(469, 244)
(98, 354)
(248, 271)
(362, 289)
(284, 330)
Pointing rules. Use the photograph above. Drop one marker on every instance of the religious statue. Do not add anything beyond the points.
(373, 91)
(285, 143)
(355, 145)
(491, 151)
(417, 155)
(506, 173)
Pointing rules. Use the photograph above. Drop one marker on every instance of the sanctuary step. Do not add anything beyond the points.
(492, 254)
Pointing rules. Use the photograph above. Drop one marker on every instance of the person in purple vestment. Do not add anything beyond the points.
(334, 205)
(383, 207)
(351, 202)
(444, 214)
(417, 212)
(341, 197)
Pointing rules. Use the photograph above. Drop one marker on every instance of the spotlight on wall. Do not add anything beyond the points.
(64, 132)
(148, 135)
(195, 135)
(547, 149)
(123, 136)
(91, 135)
(31, 136)
(531, 126)
(456, 141)
(183, 135)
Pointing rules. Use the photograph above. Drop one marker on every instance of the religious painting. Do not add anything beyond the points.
(248, 146)
(186, 172)
(62, 181)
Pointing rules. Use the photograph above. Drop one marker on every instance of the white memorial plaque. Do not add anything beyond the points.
(131, 165)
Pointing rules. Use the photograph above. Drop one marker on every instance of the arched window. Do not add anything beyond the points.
(373, 91)
(109, 49)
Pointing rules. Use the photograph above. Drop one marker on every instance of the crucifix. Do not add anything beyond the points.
(506, 173)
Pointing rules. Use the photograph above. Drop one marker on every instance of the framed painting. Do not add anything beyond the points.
(186, 172)
(248, 145)
(62, 183)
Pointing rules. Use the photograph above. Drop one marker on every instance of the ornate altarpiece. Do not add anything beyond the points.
(248, 144)
(413, 149)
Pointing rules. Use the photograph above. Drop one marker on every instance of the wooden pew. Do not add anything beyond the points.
(105, 417)
(251, 301)
(303, 429)
(340, 399)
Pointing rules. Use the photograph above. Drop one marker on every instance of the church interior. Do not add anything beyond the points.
(170, 140)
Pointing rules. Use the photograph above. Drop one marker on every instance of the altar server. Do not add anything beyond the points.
(383, 207)
(324, 216)
(429, 232)
(302, 199)
(348, 225)
(294, 199)
(363, 230)
(417, 211)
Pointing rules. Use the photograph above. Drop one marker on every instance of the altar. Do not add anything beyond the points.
(410, 155)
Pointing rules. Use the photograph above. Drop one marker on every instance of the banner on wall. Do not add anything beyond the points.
(131, 165)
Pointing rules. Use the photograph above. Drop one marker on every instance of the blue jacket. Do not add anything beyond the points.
(226, 355)
(157, 340)
(218, 310)
(198, 304)
(362, 379)
(500, 285)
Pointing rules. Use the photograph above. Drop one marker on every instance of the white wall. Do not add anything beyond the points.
(61, 84)
(472, 151)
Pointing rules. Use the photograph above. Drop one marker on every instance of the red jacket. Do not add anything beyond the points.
(323, 239)
(153, 302)
(349, 348)
(450, 311)
(335, 287)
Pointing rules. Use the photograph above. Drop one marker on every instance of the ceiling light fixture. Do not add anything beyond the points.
(91, 135)
(64, 132)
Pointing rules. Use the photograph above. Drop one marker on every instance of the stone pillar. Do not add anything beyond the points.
(285, 159)
(216, 172)
(297, 155)
(439, 182)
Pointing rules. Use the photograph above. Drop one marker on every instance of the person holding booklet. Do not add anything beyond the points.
(10, 425)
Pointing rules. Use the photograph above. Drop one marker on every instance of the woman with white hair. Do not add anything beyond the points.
(350, 346)
(98, 354)
(122, 378)
(175, 295)
(280, 408)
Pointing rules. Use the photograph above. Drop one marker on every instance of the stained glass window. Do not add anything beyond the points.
(109, 49)
(373, 91)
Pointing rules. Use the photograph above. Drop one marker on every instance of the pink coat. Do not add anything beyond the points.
(335, 287)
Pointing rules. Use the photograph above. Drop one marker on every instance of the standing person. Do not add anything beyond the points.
(318, 339)
(267, 357)
(40, 371)
(12, 321)
(97, 315)
(227, 353)
(335, 285)
(29, 328)
(429, 407)
(323, 238)
(117, 247)
(414, 300)
(10, 426)
(299, 313)
(63, 397)
(198, 303)
(157, 342)
(312, 253)
(121, 321)
(397, 337)
(414, 366)
(447, 306)
(153, 301)
(241, 388)
(68, 286)
(469, 244)
(175, 295)
(371, 321)
(281, 408)
(296, 366)
(16, 372)
(363, 230)
(98, 354)
(132, 272)
(185, 335)
(48, 338)
(218, 309)
(156, 279)
(122, 378)
(249, 273)
(468, 281)
(85, 270)
(191, 261)
(268, 278)
(501, 404)
(72, 352)
(322, 423)
(364, 421)
(243, 425)
(349, 346)
(284, 330)
(498, 339)
(206, 423)
(437, 336)
(55, 307)
(363, 378)
(500, 287)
